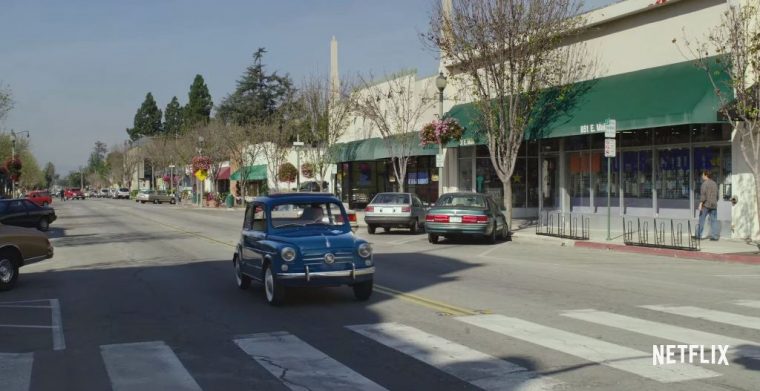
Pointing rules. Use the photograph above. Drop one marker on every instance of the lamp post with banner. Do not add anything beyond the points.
(440, 84)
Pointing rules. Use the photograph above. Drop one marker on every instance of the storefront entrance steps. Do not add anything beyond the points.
(724, 250)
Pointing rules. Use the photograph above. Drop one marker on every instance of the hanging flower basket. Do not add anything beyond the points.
(441, 132)
(287, 173)
(13, 166)
(201, 163)
(307, 169)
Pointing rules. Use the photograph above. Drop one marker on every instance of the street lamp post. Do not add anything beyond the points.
(200, 182)
(297, 145)
(13, 155)
(440, 83)
(171, 178)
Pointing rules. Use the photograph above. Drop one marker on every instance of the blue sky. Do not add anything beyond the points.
(80, 69)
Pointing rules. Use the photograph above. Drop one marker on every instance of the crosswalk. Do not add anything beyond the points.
(299, 365)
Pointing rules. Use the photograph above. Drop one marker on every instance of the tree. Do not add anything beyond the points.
(173, 118)
(274, 149)
(730, 56)
(287, 172)
(49, 174)
(6, 101)
(199, 104)
(238, 147)
(395, 109)
(115, 163)
(328, 111)
(258, 94)
(507, 53)
(147, 119)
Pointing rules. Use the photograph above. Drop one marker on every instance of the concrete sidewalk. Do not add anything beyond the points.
(725, 249)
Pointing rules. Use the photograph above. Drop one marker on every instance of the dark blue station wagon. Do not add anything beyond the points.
(301, 239)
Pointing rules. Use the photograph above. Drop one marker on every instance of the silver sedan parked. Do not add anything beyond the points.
(395, 210)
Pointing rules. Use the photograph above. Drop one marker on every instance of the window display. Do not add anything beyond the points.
(637, 178)
(673, 174)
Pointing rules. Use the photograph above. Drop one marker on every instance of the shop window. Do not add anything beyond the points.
(635, 138)
(466, 155)
(530, 148)
(672, 135)
(579, 179)
(706, 158)
(486, 179)
(576, 143)
(637, 178)
(532, 182)
(725, 173)
(711, 132)
(549, 145)
(673, 174)
(600, 181)
(519, 181)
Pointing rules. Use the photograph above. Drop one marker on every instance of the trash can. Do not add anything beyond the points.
(229, 201)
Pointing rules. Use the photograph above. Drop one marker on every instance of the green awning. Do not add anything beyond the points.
(376, 148)
(250, 173)
(669, 95)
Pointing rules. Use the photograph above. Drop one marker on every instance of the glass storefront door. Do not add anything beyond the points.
(550, 181)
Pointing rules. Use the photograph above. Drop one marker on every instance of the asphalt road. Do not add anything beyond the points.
(142, 297)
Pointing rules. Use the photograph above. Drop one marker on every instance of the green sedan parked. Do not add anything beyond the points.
(466, 214)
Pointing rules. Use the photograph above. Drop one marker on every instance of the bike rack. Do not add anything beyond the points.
(564, 226)
(660, 236)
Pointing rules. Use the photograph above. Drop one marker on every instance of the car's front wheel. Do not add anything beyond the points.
(8, 270)
(44, 224)
(243, 281)
(274, 292)
(363, 290)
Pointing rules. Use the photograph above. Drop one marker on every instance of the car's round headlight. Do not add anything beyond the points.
(364, 250)
(288, 254)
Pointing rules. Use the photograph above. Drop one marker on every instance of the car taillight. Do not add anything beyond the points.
(352, 217)
(469, 219)
(406, 209)
(370, 209)
(437, 218)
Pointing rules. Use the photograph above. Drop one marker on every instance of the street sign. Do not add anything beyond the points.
(610, 128)
(439, 160)
(609, 147)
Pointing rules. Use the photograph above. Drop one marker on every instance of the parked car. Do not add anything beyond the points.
(20, 247)
(313, 186)
(92, 193)
(301, 240)
(466, 214)
(400, 210)
(143, 196)
(73, 194)
(122, 193)
(40, 197)
(159, 197)
(25, 213)
(105, 193)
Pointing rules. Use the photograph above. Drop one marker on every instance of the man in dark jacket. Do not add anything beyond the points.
(708, 206)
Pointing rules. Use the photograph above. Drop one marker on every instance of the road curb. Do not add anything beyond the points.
(696, 255)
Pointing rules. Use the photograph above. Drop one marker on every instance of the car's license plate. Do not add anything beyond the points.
(455, 219)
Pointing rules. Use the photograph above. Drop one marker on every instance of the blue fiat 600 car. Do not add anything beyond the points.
(301, 239)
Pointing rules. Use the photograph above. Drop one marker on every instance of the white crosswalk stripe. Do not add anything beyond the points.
(145, 366)
(591, 349)
(749, 322)
(479, 369)
(15, 371)
(747, 349)
(748, 303)
(299, 365)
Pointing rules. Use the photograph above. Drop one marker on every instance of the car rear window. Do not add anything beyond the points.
(462, 201)
(390, 198)
(123, 189)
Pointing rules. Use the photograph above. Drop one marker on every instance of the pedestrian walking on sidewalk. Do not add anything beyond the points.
(708, 206)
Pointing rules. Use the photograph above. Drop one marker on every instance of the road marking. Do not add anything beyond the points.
(405, 241)
(23, 306)
(145, 366)
(299, 365)
(477, 368)
(24, 301)
(711, 315)
(27, 326)
(739, 275)
(748, 303)
(491, 249)
(741, 347)
(436, 305)
(59, 343)
(591, 349)
(16, 371)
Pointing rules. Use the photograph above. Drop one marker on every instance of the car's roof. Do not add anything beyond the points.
(465, 193)
(297, 197)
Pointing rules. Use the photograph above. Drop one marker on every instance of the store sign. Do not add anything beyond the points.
(439, 160)
(467, 141)
(609, 127)
(609, 147)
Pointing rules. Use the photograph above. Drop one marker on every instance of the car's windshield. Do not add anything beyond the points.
(327, 214)
(123, 189)
(391, 198)
(462, 201)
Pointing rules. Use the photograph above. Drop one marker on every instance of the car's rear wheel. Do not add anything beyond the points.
(44, 224)
(363, 290)
(505, 232)
(414, 227)
(243, 281)
(492, 237)
(8, 270)
(371, 229)
(432, 238)
(156, 202)
(273, 291)
(172, 202)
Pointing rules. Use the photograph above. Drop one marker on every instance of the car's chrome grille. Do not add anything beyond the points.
(341, 255)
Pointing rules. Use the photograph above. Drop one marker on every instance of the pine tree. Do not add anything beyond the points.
(199, 104)
(147, 119)
(173, 117)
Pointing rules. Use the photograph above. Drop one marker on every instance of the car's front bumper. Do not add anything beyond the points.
(333, 277)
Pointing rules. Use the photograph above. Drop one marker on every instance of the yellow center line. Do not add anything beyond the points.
(412, 298)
